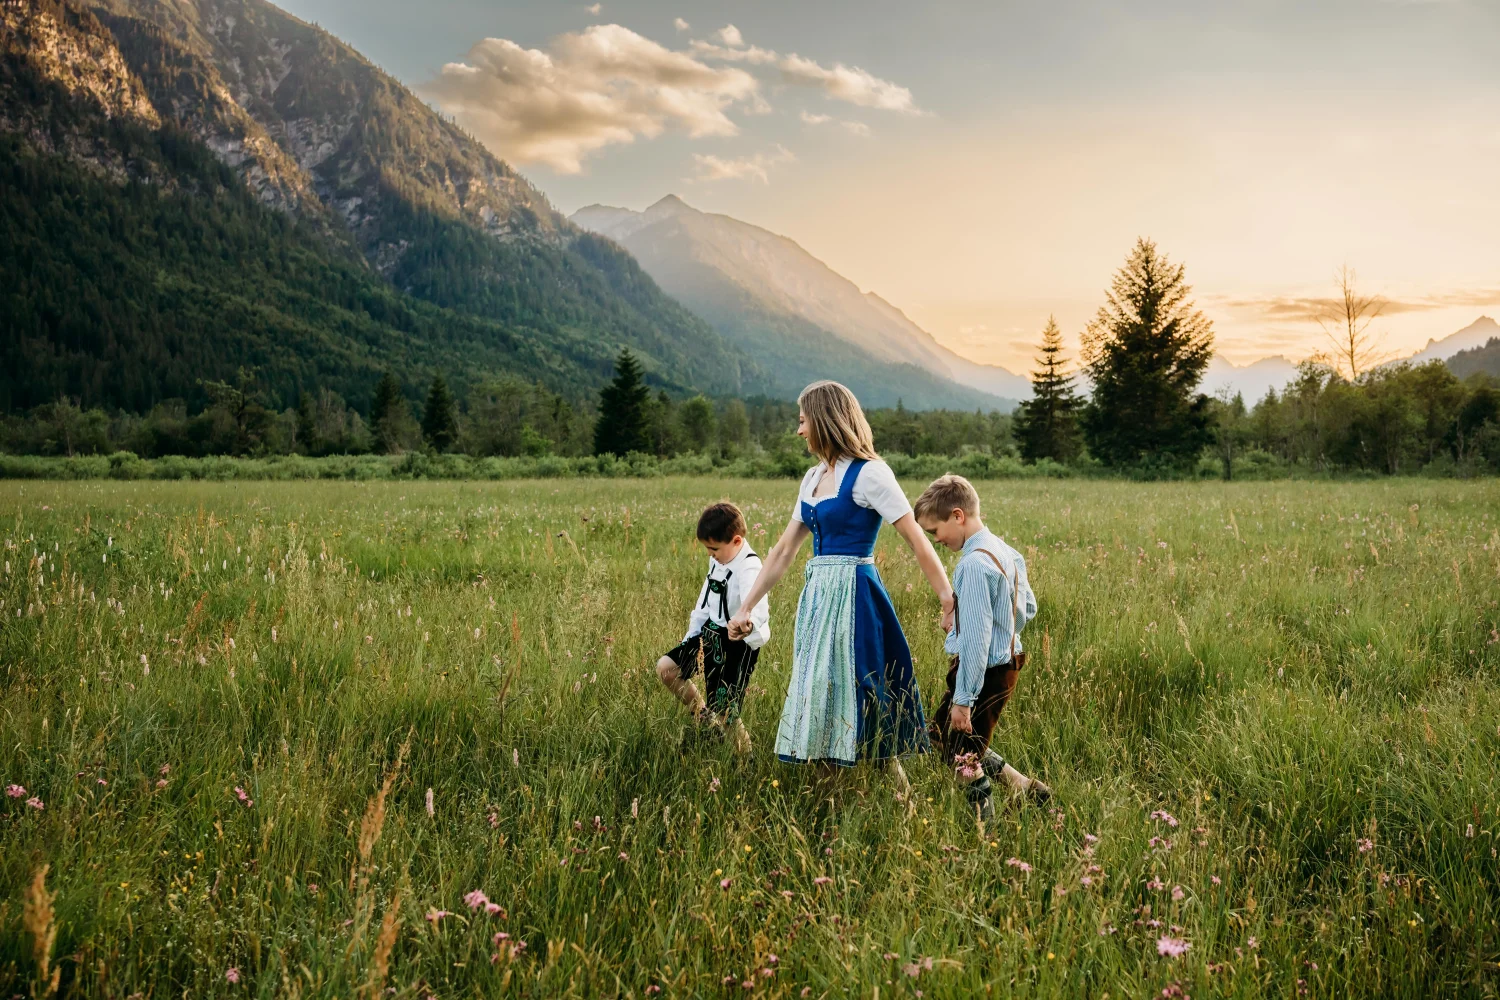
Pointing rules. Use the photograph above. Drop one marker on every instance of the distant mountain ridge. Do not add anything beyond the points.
(765, 291)
(371, 182)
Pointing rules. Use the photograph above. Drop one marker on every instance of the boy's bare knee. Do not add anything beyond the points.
(668, 670)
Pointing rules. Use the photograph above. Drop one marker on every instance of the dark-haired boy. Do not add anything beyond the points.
(727, 663)
(993, 602)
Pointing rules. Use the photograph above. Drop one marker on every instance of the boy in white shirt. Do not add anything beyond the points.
(727, 664)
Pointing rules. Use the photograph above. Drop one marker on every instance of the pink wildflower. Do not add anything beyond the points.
(35, 803)
(474, 900)
(14, 791)
(725, 883)
(912, 969)
(1252, 943)
(1017, 863)
(161, 782)
(1171, 947)
(493, 908)
(1365, 845)
(652, 990)
(1216, 880)
(232, 974)
(967, 766)
(1156, 885)
(768, 973)
(822, 880)
(1177, 892)
(624, 856)
(240, 794)
(1164, 816)
(434, 915)
(1086, 880)
(713, 786)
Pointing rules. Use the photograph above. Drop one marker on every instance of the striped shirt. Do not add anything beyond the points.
(985, 622)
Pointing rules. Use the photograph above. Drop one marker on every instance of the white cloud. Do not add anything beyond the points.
(754, 54)
(847, 83)
(602, 86)
(681, 25)
(853, 128)
(757, 167)
(594, 8)
(730, 35)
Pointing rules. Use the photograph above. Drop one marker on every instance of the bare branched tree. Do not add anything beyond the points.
(1346, 323)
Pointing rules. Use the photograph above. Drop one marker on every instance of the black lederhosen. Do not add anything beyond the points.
(727, 665)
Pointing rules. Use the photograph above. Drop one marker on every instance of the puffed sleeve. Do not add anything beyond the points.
(878, 490)
(802, 491)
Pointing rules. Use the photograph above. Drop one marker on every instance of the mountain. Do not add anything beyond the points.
(795, 314)
(187, 186)
(1484, 359)
(1251, 381)
(1476, 334)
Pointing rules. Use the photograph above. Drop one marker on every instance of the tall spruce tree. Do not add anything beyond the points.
(1145, 353)
(1046, 425)
(440, 416)
(624, 407)
(388, 415)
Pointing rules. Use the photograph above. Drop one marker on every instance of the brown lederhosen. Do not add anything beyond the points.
(999, 684)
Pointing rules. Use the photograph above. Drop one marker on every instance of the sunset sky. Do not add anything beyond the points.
(984, 164)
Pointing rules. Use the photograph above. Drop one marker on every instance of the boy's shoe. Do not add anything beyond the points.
(1038, 793)
(703, 729)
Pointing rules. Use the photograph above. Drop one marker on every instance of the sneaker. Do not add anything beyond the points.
(1039, 793)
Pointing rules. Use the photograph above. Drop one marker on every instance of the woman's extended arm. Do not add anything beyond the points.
(932, 567)
(773, 568)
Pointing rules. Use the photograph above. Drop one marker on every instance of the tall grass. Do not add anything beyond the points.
(1269, 711)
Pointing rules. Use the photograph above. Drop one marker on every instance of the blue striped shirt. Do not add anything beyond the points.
(982, 631)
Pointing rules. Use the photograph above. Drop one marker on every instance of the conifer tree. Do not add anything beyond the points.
(388, 415)
(1145, 354)
(1047, 424)
(440, 416)
(623, 410)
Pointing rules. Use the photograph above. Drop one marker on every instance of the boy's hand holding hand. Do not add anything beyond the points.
(740, 626)
(959, 719)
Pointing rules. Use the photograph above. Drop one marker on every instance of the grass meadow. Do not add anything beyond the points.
(275, 739)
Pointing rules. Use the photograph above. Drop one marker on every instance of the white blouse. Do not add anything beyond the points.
(741, 572)
(875, 489)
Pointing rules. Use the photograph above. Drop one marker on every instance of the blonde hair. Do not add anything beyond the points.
(836, 426)
(947, 493)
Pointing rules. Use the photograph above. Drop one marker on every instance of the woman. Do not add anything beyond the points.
(852, 694)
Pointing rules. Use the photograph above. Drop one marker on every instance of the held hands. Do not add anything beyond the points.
(740, 625)
(959, 719)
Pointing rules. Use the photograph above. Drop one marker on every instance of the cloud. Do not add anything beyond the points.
(594, 8)
(753, 54)
(603, 86)
(839, 82)
(853, 128)
(681, 25)
(757, 167)
(847, 83)
(1307, 309)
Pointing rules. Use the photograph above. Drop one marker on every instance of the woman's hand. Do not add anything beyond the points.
(950, 609)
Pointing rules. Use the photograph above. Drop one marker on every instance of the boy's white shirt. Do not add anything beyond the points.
(744, 567)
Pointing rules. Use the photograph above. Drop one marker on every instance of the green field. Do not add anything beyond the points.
(1302, 676)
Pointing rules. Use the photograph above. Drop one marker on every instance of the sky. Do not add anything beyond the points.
(983, 165)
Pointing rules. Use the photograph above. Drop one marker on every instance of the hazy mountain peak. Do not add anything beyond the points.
(669, 205)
